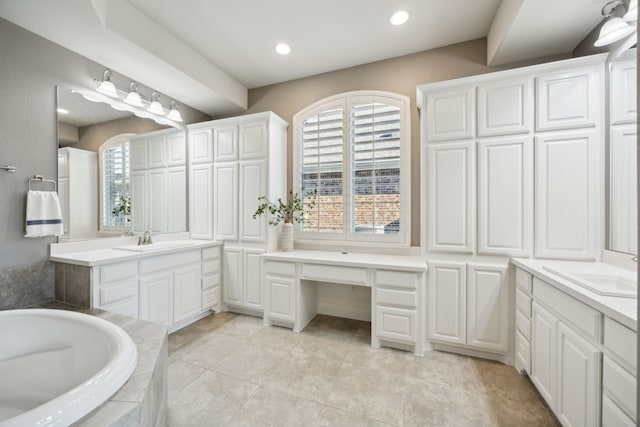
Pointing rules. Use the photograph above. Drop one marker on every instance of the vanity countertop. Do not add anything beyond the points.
(351, 259)
(623, 310)
(90, 256)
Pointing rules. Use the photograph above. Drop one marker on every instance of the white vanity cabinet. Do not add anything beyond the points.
(524, 289)
(211, 274)
(114, 287)
(396, 299)
(242, 277)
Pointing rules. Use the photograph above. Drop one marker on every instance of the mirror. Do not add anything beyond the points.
(118, 173)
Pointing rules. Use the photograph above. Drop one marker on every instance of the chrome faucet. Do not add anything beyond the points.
(145, 239)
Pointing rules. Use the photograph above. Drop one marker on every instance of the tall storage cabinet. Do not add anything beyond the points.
(77, 184)
(240, 159)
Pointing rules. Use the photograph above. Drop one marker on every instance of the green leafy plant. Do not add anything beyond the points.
(122, 207)
(291, 210)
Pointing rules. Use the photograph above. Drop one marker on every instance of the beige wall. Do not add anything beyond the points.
(399, 75)
(92, 137)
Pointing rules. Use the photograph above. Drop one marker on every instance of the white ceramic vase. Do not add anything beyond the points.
(286, 241)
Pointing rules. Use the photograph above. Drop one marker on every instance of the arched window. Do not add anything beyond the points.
(352, 151)
(113, 157)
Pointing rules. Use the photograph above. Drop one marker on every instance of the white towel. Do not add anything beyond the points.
(44, 217)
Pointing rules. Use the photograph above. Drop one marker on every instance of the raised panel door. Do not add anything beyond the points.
(253, 184)
(139, 201)
(579, 384)
(201, 202)
(451, 197)
(177, 199)
(488, 307)
(505, 108)
(157, 198)
(505, 196)
(567, 195)
(447, 302)
(252, 277)
(544, 328)
(156, 152)
(225, 143)
(138, 154)
(281, 294)
(623, 91)
(176, 150)
(63, 197)
(156, 300)
(396, 324)
(187, 292)
(226, 201)
(232, 276)
(568, 99)
(623, 210)
(201, 141)
(253, 140)
(450, 114)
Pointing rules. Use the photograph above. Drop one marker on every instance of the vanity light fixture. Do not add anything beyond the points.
(62, 111)
(133, 98)
(614, 28)
(156, 107)
(632, 13)
(106, 86)
(399, 18)
(174, 113)
(283, 49)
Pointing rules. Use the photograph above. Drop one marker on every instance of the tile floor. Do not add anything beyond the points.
(229, 370)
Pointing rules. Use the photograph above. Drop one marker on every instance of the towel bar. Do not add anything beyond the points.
(41, 179)
(8, 168)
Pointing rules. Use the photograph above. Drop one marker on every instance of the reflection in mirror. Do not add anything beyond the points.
(107, 158)
(623, 228)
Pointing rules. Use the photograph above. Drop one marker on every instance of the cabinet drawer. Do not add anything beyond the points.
(523, 353)
(523, 302)
(579, 315)
(331, 273)
(523, 324)
(116, 272)
(165, 262)
(524, 280)
(621, 342)
(281, 268)
(620, 385)
(613, 416)
(396, 279)
(210, 298)
(125, 307)
(396, 324)
(211, 253)
(396, 297)
(210, 267)
(118, 292)
(210, 281)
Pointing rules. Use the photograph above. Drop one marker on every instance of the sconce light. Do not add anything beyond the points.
(133, 98)
(156, 107)
(174, 113)
(106, 86)
(615, 28)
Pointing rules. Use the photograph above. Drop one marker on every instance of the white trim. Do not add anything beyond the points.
(120, 139)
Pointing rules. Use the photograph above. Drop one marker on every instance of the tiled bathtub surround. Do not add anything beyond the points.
(230, 370)
(72, 284)
(25, 286)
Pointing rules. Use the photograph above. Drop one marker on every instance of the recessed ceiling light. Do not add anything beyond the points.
(62, 111)
(399, 18)
(283, 49)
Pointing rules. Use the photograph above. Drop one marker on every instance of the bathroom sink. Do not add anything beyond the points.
(602, 282)
(158, 246)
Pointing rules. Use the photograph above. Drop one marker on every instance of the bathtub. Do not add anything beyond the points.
(56, 366)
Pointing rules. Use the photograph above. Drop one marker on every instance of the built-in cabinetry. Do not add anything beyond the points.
(158, 181)
(77, 184)
(235, 161)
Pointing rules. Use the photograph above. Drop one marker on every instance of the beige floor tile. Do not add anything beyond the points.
(181, 374)
(440, 368)
(273, 408)
(277, 338)
(242, 326)
(331, 417)
(208, 350)
(386, 359)
(214, 321)
(250, 363)
(326, 345)
(184, 337)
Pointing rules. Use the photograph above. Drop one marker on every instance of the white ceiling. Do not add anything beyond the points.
(207, 53)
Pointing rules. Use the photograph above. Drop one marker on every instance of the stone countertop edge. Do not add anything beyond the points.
(352, 259)
(622, 310)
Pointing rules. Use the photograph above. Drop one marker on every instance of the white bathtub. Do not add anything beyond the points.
(57, 366)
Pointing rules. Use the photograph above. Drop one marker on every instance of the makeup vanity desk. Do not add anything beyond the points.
(398, 290)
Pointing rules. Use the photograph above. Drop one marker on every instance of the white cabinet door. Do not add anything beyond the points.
(225, 143)
(156, 152)
(201, 141)
(567, 195)
(187, 292)
(232, 276)
(488, 307)
(568, 99)
(451, 197)
(253, 184)
(63, 197)
(543, 353)
(201, 202)
(623, 92)
(450, 114)
(252, 277)
(505, 196)
(63, 164)
(579, 376)
(446, 301)
(157, 197)
(176, 149)
(253, 140)
(623, 228)
(139, 201)
(281, 294)
(138, 154)
(505, 108)
(396, 324)
(176, 199)
(156, 302)
(226, 201)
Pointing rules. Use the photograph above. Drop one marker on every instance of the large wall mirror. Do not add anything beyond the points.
(118, 173)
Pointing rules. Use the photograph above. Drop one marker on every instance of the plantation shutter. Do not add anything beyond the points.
(115, 181)
(375, 168)
(322, 157)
